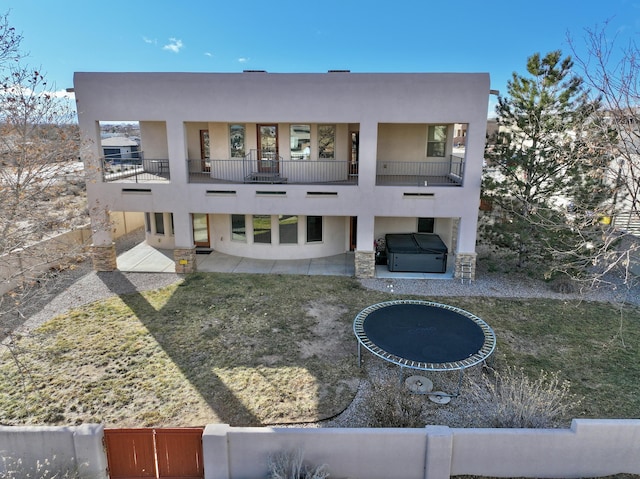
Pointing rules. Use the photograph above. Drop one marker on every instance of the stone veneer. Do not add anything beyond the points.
(185, 260)
(104, 257)
(365, 263)
(464, 258)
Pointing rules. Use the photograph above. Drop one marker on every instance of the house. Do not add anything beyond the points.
(288, 166)
(119, 147)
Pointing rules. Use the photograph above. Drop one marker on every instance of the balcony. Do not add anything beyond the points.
(134, 168)
(423, 173)
(272, 170)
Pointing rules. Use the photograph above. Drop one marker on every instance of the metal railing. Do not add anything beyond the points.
(420, 173)
(252, 169)
(133, 167)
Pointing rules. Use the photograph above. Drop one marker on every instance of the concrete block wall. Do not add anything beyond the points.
(590, 448)
(57, 450)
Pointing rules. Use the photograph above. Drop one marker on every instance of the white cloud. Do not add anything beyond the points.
(64, 94)
(174, 45)
(148, 40)
(243, 60)
(207, 54)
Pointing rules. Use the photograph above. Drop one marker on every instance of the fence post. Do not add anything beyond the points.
(90, 455)
(439, 452)
(215, 451)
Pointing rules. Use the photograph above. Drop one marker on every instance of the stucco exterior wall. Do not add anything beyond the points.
(70, 450)
(334, 239)
(171, 108)
(591, 448)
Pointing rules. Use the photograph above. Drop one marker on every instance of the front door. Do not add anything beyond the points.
(268, 149)
(201, 230)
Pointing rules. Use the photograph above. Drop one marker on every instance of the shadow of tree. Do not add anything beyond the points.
(264, 333)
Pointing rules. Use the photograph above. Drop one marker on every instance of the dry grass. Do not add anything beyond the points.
(268, 349)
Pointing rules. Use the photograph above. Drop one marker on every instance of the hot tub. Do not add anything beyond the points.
(416, 253)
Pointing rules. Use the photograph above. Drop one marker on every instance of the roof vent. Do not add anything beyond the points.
(254, 71)
(339, 71)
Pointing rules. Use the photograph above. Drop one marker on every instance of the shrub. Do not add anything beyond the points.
(290, 465)
(512, 399)
(391, 405)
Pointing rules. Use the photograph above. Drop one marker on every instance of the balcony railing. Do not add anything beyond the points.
(423, 173)
(134, 168)
(271, 171)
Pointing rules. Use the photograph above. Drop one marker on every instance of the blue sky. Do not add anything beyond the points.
(64, 36)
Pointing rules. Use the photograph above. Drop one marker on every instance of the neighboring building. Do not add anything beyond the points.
(119, 147)
(288, 166)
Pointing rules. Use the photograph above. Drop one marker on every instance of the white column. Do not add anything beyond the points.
(177, 148)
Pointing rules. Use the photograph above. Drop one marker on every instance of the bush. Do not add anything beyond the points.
(290, 465)
(513, 400)
(391, 405)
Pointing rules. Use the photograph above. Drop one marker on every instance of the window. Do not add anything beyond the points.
(288, 227)
(314, 229)
(437, 140)
(238, 228)
(326, 142)
(300, 142)
(262, 229)
(159, 223)
(112, 153)
(425, 225)
(236, 141)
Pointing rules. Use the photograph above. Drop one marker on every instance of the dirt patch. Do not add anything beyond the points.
(330, 331)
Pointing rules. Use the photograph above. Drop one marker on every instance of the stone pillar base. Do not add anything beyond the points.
(465, 266)
(185, 260)
(104, 257)
(365, 263)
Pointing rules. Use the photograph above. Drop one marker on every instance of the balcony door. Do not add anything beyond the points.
(205, 151)
(268, 149)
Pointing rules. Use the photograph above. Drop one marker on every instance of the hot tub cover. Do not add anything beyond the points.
(415, 243)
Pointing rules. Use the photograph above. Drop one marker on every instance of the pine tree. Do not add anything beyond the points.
(545, 179)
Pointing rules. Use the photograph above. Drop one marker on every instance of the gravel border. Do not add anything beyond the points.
(83, 285)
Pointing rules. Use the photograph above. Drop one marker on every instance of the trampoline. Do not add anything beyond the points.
(423, 335)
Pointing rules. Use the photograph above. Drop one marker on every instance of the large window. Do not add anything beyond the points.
(238, 228)
(326, 142)
(437, 140)
(300, 142)
(236, 141)
(314, 229)
(288, 228)
(262, 229)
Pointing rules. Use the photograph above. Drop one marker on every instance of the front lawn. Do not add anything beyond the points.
(270, 349)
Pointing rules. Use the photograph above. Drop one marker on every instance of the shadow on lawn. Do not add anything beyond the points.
(220, 399)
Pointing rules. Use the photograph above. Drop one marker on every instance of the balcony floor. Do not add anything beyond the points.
(408, 180)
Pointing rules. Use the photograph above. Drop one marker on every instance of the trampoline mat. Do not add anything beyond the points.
(424, 333)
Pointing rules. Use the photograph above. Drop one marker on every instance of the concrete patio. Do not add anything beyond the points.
(144, 258)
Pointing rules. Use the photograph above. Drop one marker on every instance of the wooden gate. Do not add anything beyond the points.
(157, 453)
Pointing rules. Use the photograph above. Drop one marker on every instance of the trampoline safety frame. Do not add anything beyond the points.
(473, 359)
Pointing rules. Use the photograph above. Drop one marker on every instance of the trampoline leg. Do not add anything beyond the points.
(359, 355)
(461, 373)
